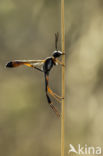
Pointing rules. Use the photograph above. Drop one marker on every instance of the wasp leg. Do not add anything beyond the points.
(58, 98)
(55, 110)
(39, 69)
(50, 91)
(59, 62)
(48, 98)
(52, 106)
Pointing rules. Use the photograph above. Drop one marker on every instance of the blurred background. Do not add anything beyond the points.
(28, 126)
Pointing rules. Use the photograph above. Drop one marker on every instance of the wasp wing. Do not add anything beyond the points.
(29, 63)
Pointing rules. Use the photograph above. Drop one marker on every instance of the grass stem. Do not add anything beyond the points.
(63, 77)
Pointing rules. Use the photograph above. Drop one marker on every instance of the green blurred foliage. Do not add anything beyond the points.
(28, 126)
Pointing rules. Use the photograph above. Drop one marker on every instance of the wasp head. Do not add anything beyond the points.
(57, 54)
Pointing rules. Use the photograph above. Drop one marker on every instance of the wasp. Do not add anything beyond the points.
(47, 64)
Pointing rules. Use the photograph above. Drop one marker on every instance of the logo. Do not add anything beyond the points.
(82, 150)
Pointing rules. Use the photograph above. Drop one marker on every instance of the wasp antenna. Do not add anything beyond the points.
(56, 40)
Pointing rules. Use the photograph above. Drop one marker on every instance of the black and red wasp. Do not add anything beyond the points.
(47, 64)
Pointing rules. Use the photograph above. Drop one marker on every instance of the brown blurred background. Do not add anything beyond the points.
(28, 126)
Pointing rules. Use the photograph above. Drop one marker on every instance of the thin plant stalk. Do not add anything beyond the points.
(63, 77)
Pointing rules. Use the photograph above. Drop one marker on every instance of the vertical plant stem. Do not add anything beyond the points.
(63, 77)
